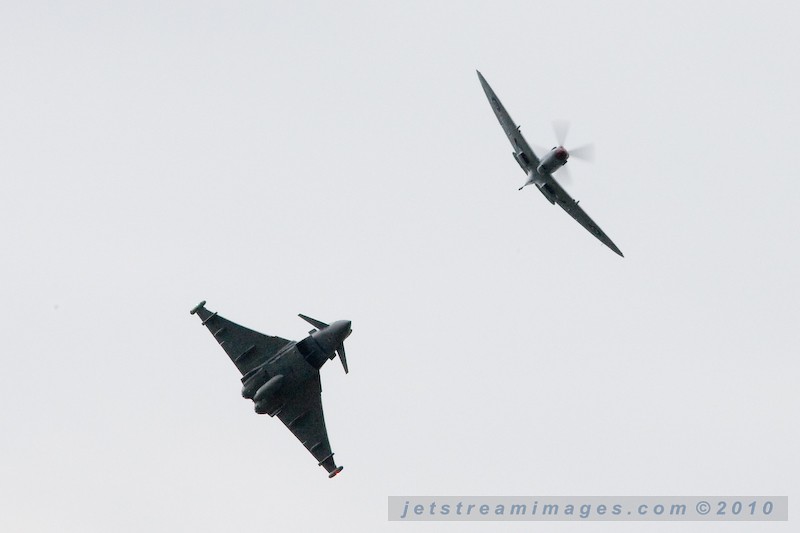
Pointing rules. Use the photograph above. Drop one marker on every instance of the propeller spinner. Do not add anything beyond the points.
(561, 154)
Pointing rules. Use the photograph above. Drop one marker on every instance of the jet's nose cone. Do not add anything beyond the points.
(334, 335)
(344, 329)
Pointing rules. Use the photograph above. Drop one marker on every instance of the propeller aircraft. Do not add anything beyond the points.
(539, 172)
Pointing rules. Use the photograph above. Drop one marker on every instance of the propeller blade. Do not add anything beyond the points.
(564, 176)
(585, 152)
(314, 322)
(342, 357)
(561, 127)
(539, 150)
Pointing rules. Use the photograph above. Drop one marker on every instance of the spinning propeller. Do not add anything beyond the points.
(584, 152)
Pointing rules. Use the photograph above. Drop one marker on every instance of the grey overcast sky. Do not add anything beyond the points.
(339, 159)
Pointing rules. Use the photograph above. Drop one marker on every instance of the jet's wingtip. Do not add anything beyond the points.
(197, 307)
(333, 474)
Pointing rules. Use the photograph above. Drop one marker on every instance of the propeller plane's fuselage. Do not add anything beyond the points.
(552, 161)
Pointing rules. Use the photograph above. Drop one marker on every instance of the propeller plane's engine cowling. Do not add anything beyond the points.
(541, 169)
(553, 160)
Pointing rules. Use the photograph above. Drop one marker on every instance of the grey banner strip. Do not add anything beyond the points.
(588, 508)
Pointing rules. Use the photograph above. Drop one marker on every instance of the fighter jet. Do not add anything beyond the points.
(282, 376)
(540, 171)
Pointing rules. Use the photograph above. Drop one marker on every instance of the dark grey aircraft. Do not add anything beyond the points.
(540, 172)
(282, 376)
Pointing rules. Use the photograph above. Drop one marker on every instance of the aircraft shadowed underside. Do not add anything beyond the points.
(282, 376)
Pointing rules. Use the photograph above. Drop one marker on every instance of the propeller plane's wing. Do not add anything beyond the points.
(575, 211)
(512, 130)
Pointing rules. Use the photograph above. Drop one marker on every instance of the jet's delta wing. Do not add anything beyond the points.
(247, 349)
(303, 416)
